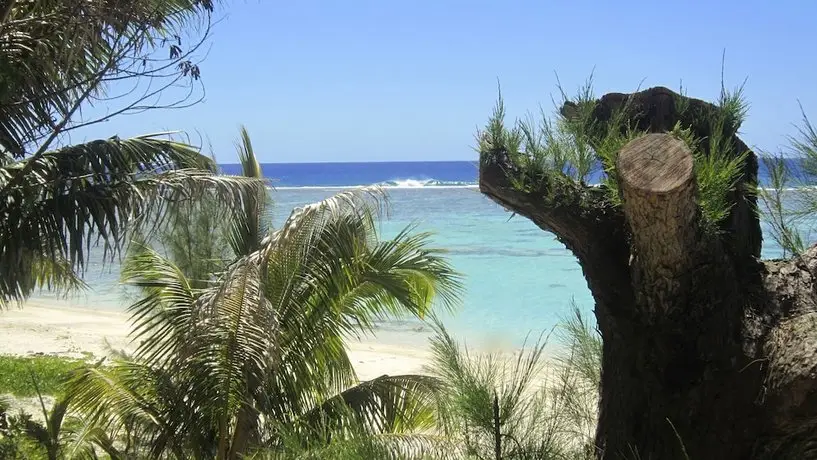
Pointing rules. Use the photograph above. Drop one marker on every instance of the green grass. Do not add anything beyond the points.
(17, 373)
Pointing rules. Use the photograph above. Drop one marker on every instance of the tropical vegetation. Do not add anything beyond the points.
(247, 353)
(241, 328)
(57, 58)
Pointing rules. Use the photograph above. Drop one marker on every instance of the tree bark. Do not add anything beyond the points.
(680, 380)
(708, 352)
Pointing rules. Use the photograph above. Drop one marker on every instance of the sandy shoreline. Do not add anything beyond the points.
(59, 328)
(40, 327)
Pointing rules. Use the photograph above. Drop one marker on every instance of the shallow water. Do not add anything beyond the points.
(519, 280)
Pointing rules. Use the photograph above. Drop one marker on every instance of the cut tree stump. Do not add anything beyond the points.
(708, 352)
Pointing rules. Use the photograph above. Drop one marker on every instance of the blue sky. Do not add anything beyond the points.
(413, 80)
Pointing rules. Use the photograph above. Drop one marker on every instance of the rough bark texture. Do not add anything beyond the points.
(657, 110)
(708, 352)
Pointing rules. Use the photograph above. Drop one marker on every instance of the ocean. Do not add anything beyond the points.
(519, 280)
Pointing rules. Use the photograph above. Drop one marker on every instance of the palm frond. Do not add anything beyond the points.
(328, 278)
(258, 352)
(249, 222)
(56, 53)
(386, 404)
(162, 320)
(232, 347)
(363, 279)
(127, 399)
(216, 342)
(113, 394)
(79, 439)
(246, 156)
(381, 446)
(53, 274)
(60, 204)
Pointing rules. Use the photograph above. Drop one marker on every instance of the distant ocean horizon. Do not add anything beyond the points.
(519, 280)
(401, 174)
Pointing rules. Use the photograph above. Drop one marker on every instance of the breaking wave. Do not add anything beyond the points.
(417, 183)
(394, 183)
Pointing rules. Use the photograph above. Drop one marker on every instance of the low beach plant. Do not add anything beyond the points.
(22, 375)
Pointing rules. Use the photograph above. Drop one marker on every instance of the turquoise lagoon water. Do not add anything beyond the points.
(519, 279)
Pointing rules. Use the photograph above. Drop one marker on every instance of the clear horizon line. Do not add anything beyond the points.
(353, 162)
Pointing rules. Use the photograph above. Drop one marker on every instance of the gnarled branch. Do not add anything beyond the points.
(580, 216)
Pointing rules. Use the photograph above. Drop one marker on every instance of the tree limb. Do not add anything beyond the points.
(581, 217)
(658, 191)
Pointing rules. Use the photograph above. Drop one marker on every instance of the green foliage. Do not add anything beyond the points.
(56, 436)
(732, 112)
(56, 203)
(18, 374)
(781, 218)
(364, 445)
(805, 144)
(578, 379)
(555, 157)
(66, 200)
(718, 175)
(192, 222)
(719, 171)
(14, 440)
(255, 352)
(502, 408)
(391, 404)
(248, 226)
(790, 200)
(563, 150)
(57, 54)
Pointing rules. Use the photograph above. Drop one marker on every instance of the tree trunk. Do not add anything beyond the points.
(708, 353)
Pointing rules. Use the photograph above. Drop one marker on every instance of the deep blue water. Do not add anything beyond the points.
(518, 279)
(397, 173)
(402, 173)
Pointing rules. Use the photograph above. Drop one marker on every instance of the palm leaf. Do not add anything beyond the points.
(231, 346)
(61, 203)
(163, 318)
(137, 400)
(249, 222)
(258, 352)
(329, 278)
(386, 404)
(105, 394)
(56, 53)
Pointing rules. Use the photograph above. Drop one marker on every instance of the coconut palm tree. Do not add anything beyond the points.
(248, 353)
(57, 200)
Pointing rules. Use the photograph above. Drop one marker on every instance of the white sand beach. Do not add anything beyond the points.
(42, 327)
(58, 328)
